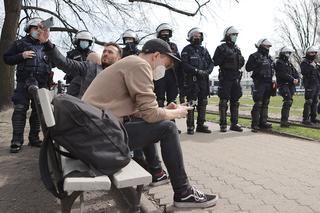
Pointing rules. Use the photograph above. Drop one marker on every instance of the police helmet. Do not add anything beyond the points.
(228, 31)
(130, 34)
(32, 23)
(286, 50)
(82, 35)
(164, 26)
(193, 31)
(312, 49)
(264, 42)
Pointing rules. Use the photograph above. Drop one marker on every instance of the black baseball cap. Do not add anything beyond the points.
(158, 45)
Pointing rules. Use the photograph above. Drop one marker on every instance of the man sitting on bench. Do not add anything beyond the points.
(126, 89)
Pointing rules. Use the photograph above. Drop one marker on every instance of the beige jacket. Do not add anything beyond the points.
(126, 88)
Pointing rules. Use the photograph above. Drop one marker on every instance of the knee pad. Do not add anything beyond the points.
(258, 103)
(223, 103)
(20, 108)
(287, 103)
(202, 102)
(234, 103)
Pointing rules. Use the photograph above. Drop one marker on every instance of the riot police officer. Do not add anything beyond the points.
(130, 40)
(287, 79)
(82, 41)
(33, 69)
(311, 80)
(261, 64)
(230, 60)
(166, 89)
(197, 66)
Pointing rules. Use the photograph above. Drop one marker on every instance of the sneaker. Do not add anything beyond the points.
(284, 124)
(35, 143)
(159, 178)
(193, 198)
(315, 121)
(306, 122)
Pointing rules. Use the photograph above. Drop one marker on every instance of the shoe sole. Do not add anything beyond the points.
(196, 205)
(159, 183)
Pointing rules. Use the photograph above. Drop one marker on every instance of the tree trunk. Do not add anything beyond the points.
(8, 35)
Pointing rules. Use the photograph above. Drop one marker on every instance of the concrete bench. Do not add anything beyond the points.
(129, 180)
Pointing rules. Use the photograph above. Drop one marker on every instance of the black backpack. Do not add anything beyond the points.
(94, 136)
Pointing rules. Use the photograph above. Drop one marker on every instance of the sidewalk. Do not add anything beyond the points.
(251, 172)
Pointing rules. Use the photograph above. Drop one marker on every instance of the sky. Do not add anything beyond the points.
(255, 19)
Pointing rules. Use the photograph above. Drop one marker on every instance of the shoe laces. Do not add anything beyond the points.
(198, 195)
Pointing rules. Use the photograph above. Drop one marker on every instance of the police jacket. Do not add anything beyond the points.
(37, 67)
(285, 72)
(86, 69)
(230, 60)
(311, 73)
(130, 50)
(176, 72)
(77, 54)
(261, 67)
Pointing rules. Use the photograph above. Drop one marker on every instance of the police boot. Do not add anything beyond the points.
(307, 112)
(264, 117)
(201, 119)
(223, 107)
(34, 130)
(18, 124)
(255, 115)
(234, 111)
(190, 122)
(313, 113)
(285, 114)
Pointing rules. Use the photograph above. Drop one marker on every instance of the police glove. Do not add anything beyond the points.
(201, 73)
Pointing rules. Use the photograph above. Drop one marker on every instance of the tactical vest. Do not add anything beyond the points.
(231, 61)
(266, 68)
(38, 66)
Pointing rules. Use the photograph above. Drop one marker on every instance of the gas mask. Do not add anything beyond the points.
(264, 51)
(311, 57)
(84, 44)
(196, 41)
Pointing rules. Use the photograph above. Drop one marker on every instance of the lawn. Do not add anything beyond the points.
(275, 105)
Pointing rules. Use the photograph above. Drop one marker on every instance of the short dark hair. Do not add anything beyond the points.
(115, 45)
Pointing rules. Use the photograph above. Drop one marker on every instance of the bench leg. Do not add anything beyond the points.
(67, 202)
(137, 199)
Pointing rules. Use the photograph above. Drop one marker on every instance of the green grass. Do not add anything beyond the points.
(293, 130)
(275, 105)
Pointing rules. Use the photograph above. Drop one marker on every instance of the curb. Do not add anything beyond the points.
(147, 206)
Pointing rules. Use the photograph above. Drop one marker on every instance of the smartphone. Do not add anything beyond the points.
(48, 22)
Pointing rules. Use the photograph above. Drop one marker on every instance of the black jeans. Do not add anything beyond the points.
(141, 134)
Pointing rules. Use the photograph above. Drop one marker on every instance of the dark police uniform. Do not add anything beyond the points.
(230, 60)
(77, 54)
(166, 89)
(285, 73)
(311, 81)
(130, 49)
(195, 58)
(261, 64)
(32, 71)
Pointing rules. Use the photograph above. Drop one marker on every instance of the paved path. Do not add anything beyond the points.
(251, 172)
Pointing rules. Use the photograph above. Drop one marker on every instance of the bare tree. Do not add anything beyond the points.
(300, 28)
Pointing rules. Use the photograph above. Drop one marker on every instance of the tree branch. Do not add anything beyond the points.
(173, 8)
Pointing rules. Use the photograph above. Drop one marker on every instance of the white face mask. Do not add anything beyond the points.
(159, 72)
(233, 38)
(84, 44)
